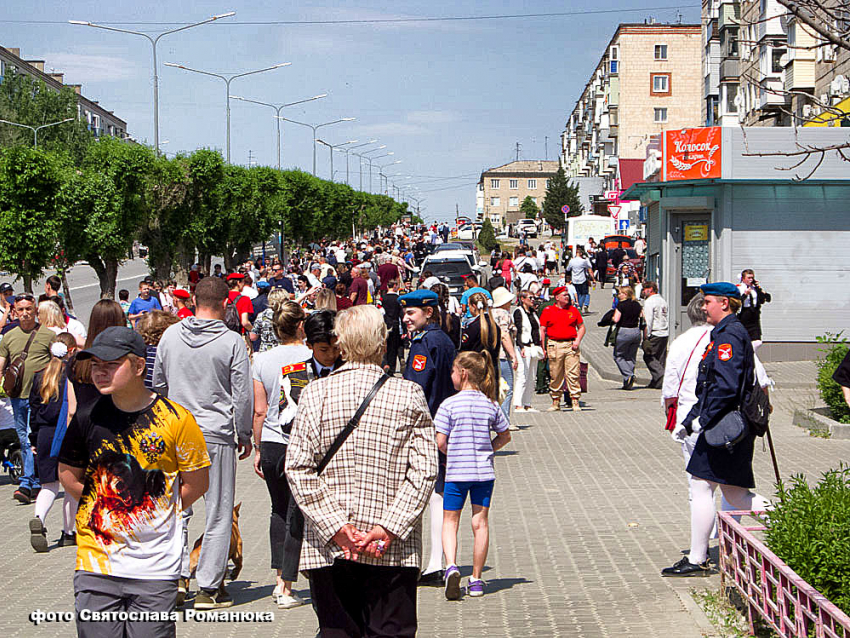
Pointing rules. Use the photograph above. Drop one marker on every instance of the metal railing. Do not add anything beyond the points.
(771, 590)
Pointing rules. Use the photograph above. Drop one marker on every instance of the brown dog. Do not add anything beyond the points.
(235, 548)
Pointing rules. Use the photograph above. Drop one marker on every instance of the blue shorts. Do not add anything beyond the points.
(454, 496)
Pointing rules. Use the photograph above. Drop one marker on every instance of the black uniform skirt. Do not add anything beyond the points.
(750, 318)
(719, 465)
(47, 467)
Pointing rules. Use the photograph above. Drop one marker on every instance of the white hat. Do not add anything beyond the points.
(502, 296)
(430, 282)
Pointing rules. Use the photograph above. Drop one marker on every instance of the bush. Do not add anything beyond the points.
(487, 236)
(835, 349)
(810, 530)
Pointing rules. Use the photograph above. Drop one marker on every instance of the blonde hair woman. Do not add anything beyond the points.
(326, 300)
(482, 334)
(627, 317)
(264, 329)
(50, 316)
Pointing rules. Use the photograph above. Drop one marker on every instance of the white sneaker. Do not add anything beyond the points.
(530, 410)
(516, 409)
(286, 601)
(513, 427)
(276, 592)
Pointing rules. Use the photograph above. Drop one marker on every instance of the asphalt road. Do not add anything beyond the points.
(84, 287)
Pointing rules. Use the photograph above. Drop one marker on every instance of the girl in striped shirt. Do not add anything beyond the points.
(464, 423)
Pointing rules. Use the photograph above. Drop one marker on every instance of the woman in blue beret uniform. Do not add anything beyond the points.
(429, 363)
(725, 380)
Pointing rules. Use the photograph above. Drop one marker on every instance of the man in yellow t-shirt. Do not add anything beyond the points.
(134, 460)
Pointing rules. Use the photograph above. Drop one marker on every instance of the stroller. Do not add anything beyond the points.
(10, 454)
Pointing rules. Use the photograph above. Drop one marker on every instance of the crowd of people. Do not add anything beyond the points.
(292, 363)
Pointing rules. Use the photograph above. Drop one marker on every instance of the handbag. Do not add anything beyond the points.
(352, 423)
(728, 431)
(13, 377)
(611, 337)
(673, 407)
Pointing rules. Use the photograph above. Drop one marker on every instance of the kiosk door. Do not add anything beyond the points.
(691, 263)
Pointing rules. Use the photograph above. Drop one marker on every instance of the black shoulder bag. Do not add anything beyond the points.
(352, 423)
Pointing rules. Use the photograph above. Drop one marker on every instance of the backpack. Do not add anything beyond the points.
(231, 316)
(756, 409)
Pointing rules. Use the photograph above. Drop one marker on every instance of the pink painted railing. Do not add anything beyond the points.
(771, 589)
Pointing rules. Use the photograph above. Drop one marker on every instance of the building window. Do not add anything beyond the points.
(776, 60)
(660, 115)
(513, 184)
(615, 59)
(494, 183)
(547, 184)
(731, 91)
(660, 51)
(660, 83)
(513, 201)
(532, 184)
(495, 201)
(534, 199)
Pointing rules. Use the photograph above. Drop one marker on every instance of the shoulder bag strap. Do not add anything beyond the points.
(685, 371)
(24, 354)
(352, 423)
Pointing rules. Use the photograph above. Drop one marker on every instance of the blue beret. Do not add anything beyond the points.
(419, 299)
(721, 289)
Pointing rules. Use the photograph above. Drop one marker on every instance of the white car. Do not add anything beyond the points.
(466, 232)
(528, 225)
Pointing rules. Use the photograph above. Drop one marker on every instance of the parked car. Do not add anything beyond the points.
(527, 225)
(450, 269)
(466, 231)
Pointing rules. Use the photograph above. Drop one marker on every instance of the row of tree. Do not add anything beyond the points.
(55, 211)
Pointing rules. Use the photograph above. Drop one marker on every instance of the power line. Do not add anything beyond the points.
(512, 16)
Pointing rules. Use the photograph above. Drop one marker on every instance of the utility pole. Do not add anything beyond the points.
(546, 146)
(250, 159)
(517, 151)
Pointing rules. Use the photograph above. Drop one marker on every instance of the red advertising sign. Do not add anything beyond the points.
(692, 153)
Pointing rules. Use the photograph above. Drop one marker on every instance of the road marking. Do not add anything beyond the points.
(116, 281)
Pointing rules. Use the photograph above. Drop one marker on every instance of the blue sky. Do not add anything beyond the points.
(448, 98)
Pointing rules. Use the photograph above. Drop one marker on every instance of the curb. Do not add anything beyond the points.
(816, 421)
(594, 361)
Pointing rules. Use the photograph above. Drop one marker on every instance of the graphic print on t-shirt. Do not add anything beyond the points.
(128, 520)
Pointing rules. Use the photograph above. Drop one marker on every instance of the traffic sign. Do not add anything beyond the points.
(614, 210)
(565, 209)
(624, 224)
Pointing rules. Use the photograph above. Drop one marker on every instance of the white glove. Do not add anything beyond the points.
(695, 426)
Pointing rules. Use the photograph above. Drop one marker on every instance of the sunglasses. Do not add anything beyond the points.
(24, 297)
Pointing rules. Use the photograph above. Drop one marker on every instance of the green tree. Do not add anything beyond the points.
(529, 208)
(26, 100)
(30, 211)
(558, 194)
(112, 198)
(487, 236)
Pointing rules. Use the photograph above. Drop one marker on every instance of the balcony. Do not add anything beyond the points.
(799, 74)
(730, 69)
(771, 93)
(730, 15)
(711, 32)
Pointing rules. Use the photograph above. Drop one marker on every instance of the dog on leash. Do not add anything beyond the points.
(235, 548)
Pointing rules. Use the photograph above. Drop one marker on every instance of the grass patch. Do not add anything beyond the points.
(728, 613)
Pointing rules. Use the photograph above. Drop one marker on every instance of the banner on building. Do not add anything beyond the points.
(692, 153)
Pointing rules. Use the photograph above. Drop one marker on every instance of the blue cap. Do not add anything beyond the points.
(329, 282)
(261, 285)
(721, 289)
(419, 299)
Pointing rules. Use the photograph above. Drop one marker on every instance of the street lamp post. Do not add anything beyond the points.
(333, 147)
(154, 41)
(316, 127)
(362, 156)
(347, 152)
(227, 80)
(36, 129)
(369, 159)
(278, 109)
(381, 174)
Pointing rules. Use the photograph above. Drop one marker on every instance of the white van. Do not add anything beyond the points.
(580, 229)
(527, 225)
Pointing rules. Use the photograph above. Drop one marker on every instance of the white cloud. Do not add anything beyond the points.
(433, 117)
(80, 68)
(389, 129)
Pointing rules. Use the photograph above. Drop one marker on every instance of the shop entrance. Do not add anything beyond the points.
(691, 265)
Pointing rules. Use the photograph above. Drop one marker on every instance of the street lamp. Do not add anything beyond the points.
(277, 109)
(227, 80)
(347, 151)
(370, 160)
(333, 147)
(381, 171)
(362, 156)
(36, 129)
(315, 128)
(154, 41)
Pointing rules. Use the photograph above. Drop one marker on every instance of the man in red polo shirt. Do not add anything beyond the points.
(244, 307)
(561, 331)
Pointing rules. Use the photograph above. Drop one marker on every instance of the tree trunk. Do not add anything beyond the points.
(207, 264)
(229, 260)
(69, 304)
(28, 284)
(107, 275)
(182, 266)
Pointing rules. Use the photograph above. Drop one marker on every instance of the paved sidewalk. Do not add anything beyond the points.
(588, 509)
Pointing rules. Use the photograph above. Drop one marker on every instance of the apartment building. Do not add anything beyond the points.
(647, 80)
(764, 67)
(504, 188)
(100, 121)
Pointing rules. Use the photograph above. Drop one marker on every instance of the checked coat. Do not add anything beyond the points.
(383, 474)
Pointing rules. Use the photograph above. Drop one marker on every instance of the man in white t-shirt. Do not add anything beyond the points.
(655, 334)
(581, 270)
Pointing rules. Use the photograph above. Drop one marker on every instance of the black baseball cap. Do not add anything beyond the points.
(113, 343)
(4, 288)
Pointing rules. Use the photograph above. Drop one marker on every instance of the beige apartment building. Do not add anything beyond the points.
(648, 80)
(503, 189)
(99, 120)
